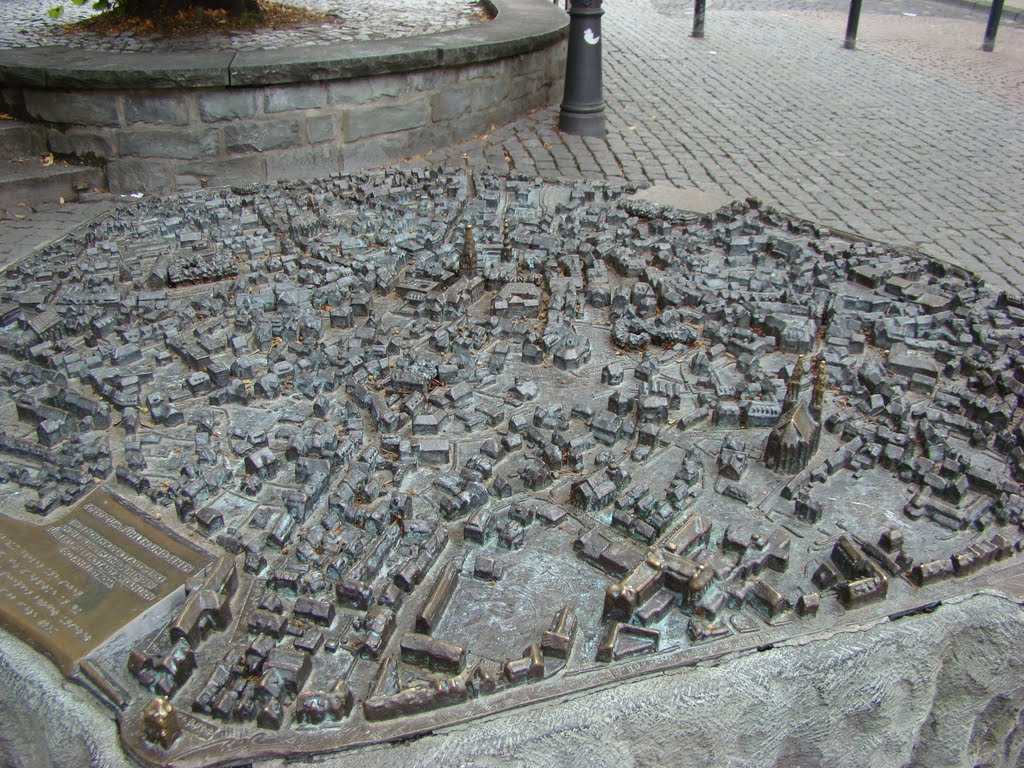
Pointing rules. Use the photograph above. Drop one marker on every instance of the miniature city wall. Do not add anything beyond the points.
(363, 458)
(161, 122)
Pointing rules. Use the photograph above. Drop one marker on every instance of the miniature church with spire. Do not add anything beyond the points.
(468, 266)
(794, 439)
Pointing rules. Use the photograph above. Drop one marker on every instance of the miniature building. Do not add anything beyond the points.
(467, 262)
(315, 707)
(795, 438)
(732, 459)
(766, 598)
(416, 699)
(807, 509)
(808, 604)
(334, 353)
(430, 652)
(209, 606)
(557, 641)
(160, 723)
(690, 579)
(622, 599)
(624, 640)
(438, 599)
(529, 667)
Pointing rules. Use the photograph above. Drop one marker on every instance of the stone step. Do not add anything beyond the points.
(32, 183)
(21, 140)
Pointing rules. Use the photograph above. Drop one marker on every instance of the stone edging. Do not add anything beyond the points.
(519, 27)
(170, 122)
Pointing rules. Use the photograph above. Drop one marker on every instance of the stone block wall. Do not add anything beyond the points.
(167, 132)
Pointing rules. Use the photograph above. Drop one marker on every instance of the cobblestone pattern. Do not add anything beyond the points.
(896, 148)
(904, 139)
(24, 23)
(947, 47)
(938, 8)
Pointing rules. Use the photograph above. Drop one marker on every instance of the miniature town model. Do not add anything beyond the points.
(311, 466)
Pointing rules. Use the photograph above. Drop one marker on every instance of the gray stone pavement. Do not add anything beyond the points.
(915, 137)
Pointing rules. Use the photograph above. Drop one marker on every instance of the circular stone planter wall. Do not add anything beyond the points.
(164, 122)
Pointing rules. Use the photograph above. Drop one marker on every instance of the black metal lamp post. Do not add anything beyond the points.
(582, 110)
(989, 44)
(698, 19)
(852, 21)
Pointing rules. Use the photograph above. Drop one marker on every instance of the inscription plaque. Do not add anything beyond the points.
(68, 585)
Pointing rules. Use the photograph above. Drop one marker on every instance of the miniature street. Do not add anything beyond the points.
(465, 440)
(412, 446)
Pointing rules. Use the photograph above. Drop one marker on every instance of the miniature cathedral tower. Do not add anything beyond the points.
(467, 263)
(793, 386)
(818, 393)
(470, 181)
(794, 439)
(506, 243)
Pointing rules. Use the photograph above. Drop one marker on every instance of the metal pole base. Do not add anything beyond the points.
(852, 21)
(995, 12)
(582, 111)
(582, 123)
(698, 18)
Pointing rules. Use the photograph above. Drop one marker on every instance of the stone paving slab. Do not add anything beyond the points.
(690, 200)
(946, 47)
(20, 181)
(1011, 13)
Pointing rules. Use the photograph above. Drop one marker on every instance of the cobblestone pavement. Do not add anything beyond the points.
(25, 23)
(915, 137)
(947, 47)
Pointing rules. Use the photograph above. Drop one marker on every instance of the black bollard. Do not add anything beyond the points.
(698, 19)
(582, 110)
(851, 25)
(996, 11)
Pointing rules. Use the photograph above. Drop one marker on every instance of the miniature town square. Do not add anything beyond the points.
(459, 458)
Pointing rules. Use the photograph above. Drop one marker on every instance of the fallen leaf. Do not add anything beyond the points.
(46, 159)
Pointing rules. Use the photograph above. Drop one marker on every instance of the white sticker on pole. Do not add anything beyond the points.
(588, 37)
